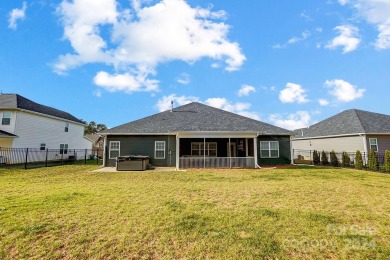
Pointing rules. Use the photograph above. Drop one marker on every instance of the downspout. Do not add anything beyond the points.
(365, 147)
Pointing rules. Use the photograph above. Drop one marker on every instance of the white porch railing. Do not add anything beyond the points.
(216, 162)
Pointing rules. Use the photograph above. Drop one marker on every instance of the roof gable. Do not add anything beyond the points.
(351, 121)
(196, 117)
(14, 101)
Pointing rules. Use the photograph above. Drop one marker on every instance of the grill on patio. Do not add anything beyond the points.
(132, 163)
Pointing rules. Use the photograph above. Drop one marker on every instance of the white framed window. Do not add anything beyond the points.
(373, 144)
(63, 148)
(6, 120)
(42, 147)
(199, 149)
(269, 149)
(159, 150)
(114, 151)
(66, 127)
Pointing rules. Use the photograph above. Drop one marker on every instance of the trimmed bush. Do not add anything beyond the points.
(333, 159)
(324, 158)
(358, 160)
(345, 160)
(316, 157)
(372, 161)
(387, 161)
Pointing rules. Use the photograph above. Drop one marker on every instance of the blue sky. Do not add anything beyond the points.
(288, 63)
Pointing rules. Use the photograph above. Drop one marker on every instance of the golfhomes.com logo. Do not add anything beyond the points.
(353, 237)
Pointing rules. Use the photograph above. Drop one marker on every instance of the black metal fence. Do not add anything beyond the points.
(28, 158)
(307, 157)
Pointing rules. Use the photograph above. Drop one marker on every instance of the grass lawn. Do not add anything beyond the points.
(69, 212)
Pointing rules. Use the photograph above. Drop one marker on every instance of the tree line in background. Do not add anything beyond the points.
(93, 128)
(321, 158)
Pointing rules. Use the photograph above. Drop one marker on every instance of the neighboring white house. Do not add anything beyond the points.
(347, 131)
(26, 124)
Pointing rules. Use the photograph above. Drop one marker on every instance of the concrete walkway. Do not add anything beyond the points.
(158, 169)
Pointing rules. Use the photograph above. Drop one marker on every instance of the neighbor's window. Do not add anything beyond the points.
(66, 127)
(6, 120)
(42, 147)
(114, 149)
(199, 149)
(269, 149)
(159, 150)
(63, 148)
(373, 144)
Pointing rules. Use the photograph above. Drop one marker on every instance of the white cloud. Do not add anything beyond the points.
(133, 44)
(183, 79)
(238, 108)
(245, 90)
(344, 91)
(343, 2)
(16, 15)
(126, 82)
(349, 38)
(297, 120)
(323, 102)
(377, 12)
(164, 104)
(98, 93)
(293, 93)
(304, 35)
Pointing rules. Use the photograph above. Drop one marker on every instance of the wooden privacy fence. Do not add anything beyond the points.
(32, 157)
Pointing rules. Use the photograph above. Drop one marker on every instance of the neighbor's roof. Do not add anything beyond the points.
(15, 101)
(351, 121)
(196, 117)
(6, 134)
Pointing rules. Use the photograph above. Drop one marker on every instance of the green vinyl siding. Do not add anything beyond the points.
(284, 150)
(144, 145)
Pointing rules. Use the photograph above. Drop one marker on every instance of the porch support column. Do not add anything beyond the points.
(177, 152)
(204, 152)
(255, 152)
(230, 155)
(246, 147)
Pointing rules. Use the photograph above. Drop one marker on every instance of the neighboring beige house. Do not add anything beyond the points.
(97, 144)
(26, 124)
(347, 131)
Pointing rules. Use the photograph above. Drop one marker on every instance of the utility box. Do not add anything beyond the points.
(132, 163)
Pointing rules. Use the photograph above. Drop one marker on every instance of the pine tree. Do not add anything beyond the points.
(358, 160)
(372, 161)
(333, 159)
(324, 158)
(316, 157)
(387, 161)
(346, 160)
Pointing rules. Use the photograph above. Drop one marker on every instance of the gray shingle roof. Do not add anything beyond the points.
(351, 121)
(196, 117)
(6, 134)
(14, 101)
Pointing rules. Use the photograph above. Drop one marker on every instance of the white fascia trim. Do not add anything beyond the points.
(327, 136)
(49, 116)
(132, 134)
(216, 134)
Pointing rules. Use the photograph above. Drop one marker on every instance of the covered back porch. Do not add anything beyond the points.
(216, 152)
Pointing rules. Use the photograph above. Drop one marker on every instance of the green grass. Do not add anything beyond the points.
(69, 212)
